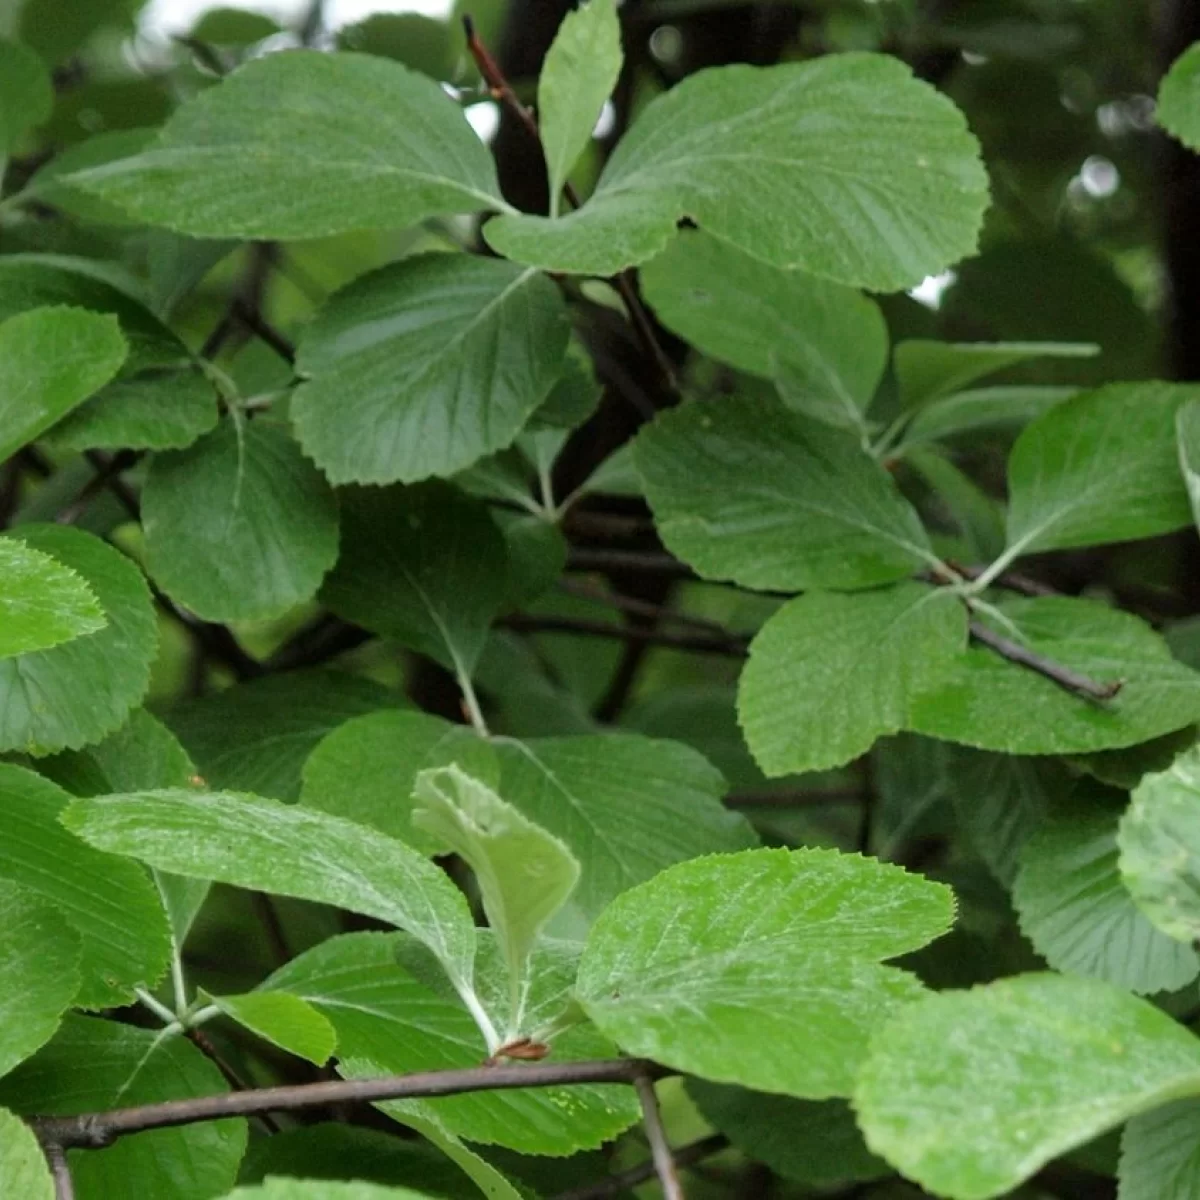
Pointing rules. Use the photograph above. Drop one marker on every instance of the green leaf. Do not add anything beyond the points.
(93, 1066)
(826, 345)
(26, 94)
(627, 806)
(387, 1018)
(1099, 468)
(1187, 427)
(284, 1020)
(323, 1189)
(52, 359)
(760, 968)
(288, 851)
(969, 1093)
(55, 32)
(978, 517)
(366, 769)
(255, 737)
(240, 526)
(881, 166)
(23, 1165)
(425, 366)
(160, 400)
(981, 409)
(994, 704)
(578, 76)
(306, 145)
(1160, 847)
(928, 370)
(525, 874)
(111, 903)
(424, 565)
(39, 973)
(1000, 799)
(744, 490)
(1178, 108)
(81, 690)
(863, 658)
(42, 602)
(1160, 1154)
(1074, 908)
(810, 1141)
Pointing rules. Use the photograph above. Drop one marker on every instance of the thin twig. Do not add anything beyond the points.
(1011, 581)
(96, 1130)
(660, 1148)
(106, 472)
(732, 646)
(643, 608)
(204, 1044)
(622, 1181)
(263, 329)
(502, 92)
(115, 484)
(1066, 677)
(627, 560)
(60, 1170)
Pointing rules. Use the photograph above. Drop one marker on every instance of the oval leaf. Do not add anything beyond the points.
(42, 603)
(425, 366)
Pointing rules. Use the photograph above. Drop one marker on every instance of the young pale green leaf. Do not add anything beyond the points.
(863, 658)
(627, 806)
(255, 737)
(111, 904)
(982, 409)
(26, 94)
(42, 602)
(93, 1066)
(1160, 1154)
(289, 851)
(882, 167)
(51, 360)
(969, 1093)
(81, 690)
(578, 76)
(744, 490)
(1187, 428)
(814, 1142)
(525, 874)
(826, 345)
(1099, 468)
(1074, 908)
(160, 400)
(385, 1016)
(994, 704)
(323, 1189)
(928, 370)
(425, 366)
(23, 1165)
(760, 968)
(284, 1020)
(424, 565)
(1160, 847)
(39, 972)
(366, 769)
(240, 526)
(1178, 108)
(304, 145)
